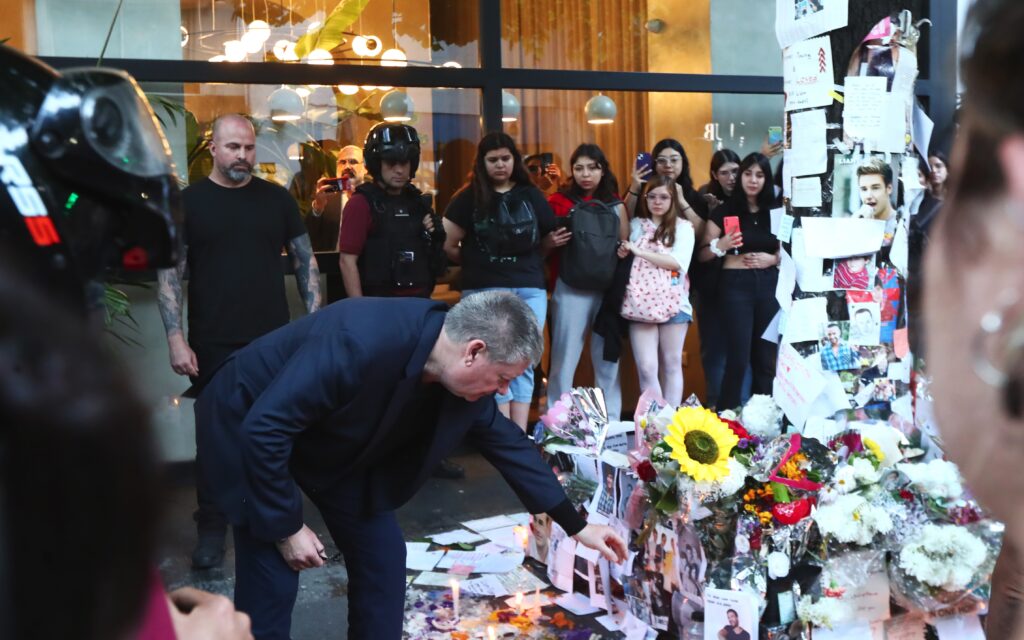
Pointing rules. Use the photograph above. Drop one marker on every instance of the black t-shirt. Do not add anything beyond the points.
(236, 278)
(755, 227)
(479, 268)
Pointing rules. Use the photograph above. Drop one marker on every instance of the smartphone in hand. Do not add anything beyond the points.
(643, 159)
(546, 159)
(774, 135)
(732, 224)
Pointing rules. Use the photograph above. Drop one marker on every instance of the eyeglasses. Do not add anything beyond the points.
(658, 197)
(664, 161)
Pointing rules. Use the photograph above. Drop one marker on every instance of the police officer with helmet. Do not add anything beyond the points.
(391, 242)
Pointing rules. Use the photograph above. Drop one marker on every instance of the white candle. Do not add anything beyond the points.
(490, 633)
(519, 602)
(522, 536)
(455, 596)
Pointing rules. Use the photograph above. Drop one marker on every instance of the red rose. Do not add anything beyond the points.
(906, 495)
(737, 428)
(646, 471)
(791, 512)
(755, 540)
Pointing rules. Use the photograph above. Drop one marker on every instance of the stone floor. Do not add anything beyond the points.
(322, 608)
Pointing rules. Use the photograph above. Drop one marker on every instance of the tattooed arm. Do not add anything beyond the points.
(183, 359)
(307, 274)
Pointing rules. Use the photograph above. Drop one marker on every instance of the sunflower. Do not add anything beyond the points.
(701, 443)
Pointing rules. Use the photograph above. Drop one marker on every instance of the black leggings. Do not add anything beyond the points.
(748, 306)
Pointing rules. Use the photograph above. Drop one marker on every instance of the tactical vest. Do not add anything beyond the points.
(397, 253)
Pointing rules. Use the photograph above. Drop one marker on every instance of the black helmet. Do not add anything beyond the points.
(87, 175)
(394, 142)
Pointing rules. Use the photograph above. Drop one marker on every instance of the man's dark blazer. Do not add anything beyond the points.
(320, 401)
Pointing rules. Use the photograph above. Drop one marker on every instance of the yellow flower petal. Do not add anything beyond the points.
(700, 423)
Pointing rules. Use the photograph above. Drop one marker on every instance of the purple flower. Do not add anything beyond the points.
(743, 443)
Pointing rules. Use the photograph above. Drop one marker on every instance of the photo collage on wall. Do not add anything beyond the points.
(843, 283)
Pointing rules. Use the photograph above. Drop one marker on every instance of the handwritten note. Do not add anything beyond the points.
(806, 192)
(806, 318)
(797, 385)
(807, 73)
(808, 152)
(866, 101)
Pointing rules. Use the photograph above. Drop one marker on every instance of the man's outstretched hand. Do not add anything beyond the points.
(605, 540)
(302, 550)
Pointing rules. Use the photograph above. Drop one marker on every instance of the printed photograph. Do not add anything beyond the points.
(835, 350)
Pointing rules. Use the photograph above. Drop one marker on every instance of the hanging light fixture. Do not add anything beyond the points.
(303, 92)
(260, 29)
(451, 64)
(184, 36)
(367, 46)
(393, 58)
(510, 107)
(600, 110)
(285, 105)
(396, 106)
(348, 89)
(234, 51)
(320, 56)
(284, 50)
(368, 87)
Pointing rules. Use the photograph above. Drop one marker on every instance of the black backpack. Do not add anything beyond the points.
(588, 261)
(511, 229)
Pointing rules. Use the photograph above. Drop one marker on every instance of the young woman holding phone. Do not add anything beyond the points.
(670, 160)
(739, 231)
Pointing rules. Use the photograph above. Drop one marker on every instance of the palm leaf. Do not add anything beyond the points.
(332, 32)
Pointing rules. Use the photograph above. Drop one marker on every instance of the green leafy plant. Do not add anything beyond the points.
(117, 311)
(333, 31)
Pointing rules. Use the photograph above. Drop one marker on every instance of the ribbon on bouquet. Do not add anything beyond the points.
(794, 448)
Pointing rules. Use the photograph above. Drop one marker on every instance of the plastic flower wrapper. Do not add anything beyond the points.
(827, 612)
(762, 417)
(651, 418)
(578, 419)
(937, 480)
(883, 441)
(945, 566)
(852, 520)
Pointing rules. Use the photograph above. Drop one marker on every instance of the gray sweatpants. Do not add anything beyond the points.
(573, 313)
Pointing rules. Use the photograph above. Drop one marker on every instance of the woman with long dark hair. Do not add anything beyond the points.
(938, 176)
(574, 308)
(669, 158)
(725, 165)
(749, 275)
(498, 228)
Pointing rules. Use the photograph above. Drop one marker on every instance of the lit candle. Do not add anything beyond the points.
(490, 633)
(519, 602)
(455, 596)
(522, 536)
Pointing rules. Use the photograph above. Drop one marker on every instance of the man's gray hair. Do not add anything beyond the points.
(502, 321)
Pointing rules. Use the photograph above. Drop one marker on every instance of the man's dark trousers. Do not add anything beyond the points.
(374, 552)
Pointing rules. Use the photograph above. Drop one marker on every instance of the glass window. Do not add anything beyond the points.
(298, 151)
(556, 122)
(666, 36)
(414, 32)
